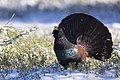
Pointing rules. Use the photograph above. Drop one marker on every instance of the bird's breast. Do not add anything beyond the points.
(76, 52)
(65, 54)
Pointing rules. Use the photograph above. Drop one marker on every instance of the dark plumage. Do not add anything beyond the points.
(79, 36)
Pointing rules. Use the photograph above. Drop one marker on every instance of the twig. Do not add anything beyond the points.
(10, 41)
(10, 18)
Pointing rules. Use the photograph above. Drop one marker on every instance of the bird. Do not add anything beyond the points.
(79, 36)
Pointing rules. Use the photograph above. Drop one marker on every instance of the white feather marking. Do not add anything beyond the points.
(75, 49)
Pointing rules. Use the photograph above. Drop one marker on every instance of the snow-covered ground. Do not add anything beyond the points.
(50, 74)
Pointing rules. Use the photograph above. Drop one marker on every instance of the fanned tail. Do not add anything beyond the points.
(89, 32)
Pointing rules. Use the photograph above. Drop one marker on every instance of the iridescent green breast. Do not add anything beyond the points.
(65, 54)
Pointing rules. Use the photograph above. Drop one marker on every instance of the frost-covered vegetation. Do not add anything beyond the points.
(25, 49)
(29, 55)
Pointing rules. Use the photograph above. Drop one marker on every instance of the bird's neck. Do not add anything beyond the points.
(62, 43)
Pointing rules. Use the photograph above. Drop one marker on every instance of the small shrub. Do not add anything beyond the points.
(27, 51)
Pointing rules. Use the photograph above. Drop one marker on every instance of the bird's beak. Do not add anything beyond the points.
(55, 28)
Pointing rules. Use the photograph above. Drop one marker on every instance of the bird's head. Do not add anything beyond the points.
(55, 32)
(58, 32)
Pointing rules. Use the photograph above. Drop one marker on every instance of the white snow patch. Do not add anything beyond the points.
(66, 75)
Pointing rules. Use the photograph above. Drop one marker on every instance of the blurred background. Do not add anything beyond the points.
(47, 13)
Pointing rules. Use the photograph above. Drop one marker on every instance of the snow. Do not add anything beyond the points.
(66, 74)
(76, 76)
